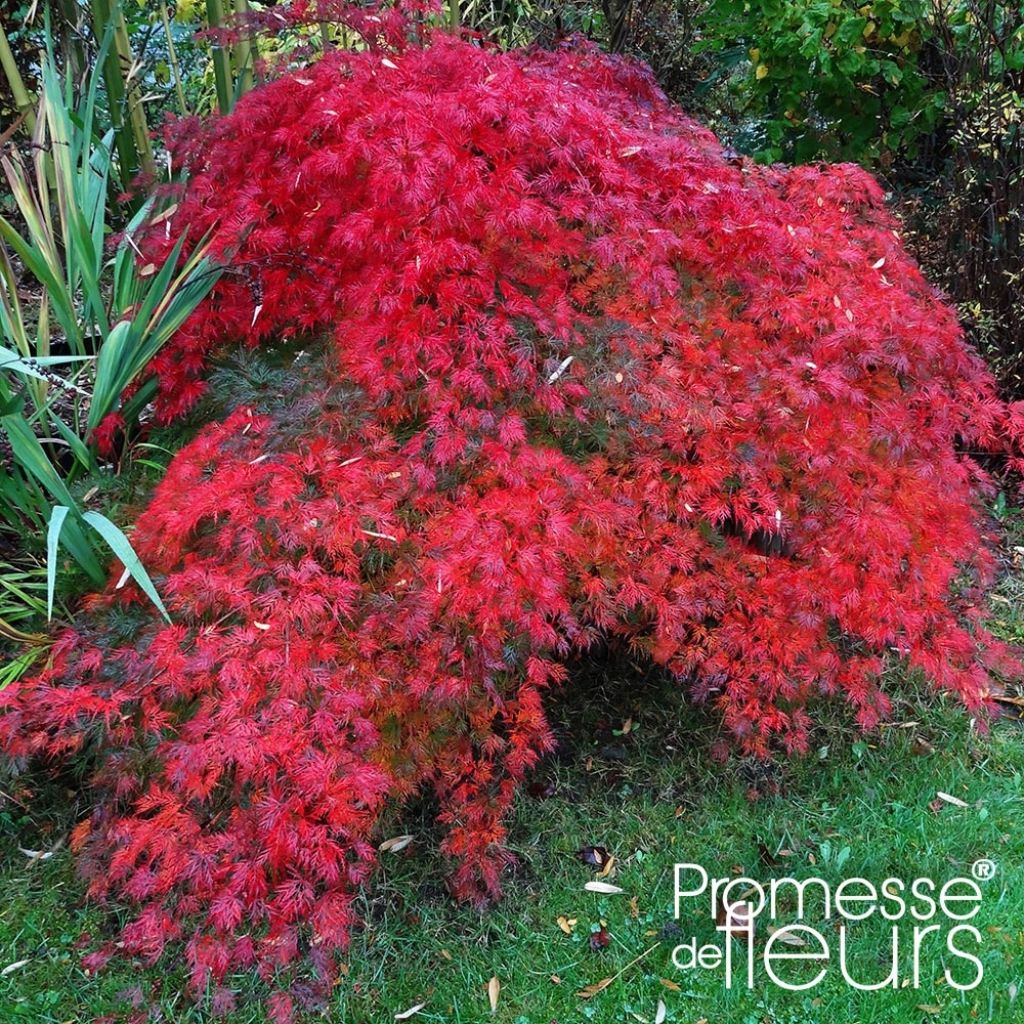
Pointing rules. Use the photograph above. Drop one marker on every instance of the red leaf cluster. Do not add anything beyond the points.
(588, 376)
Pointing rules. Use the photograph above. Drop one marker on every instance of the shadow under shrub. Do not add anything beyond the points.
(586, 377)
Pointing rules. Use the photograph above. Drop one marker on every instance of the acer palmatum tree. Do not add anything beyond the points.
(587, 377)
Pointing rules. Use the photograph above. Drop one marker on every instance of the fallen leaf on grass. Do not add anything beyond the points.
(661, 1013)
(786, 936)
(737, 919)
(670, 985)
(929, 1008)
(567, 924)
(35, 855)
(603, 887)
(406, 1014)
(949, 799)
(591, 990)
(395, 844)
(11, 968)
(594, 856)
(493, 991)
(1004, 698)
(607, 869)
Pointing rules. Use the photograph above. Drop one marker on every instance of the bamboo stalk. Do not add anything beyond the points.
(221, 60)
(136, 112)
(243, 53)
(124, 140)
(22, 100)
(70, 35)
(172, 56)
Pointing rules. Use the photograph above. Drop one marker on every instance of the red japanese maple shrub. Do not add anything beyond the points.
(587, 376)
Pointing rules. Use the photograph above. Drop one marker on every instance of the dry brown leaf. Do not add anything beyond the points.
(592, 990)
(169, 212)
(594, 856)
(36, 854)
(790, 938)
(606, 888)
(493, 991)
(395, 844)
(670, 985)
(931, 1008)
(412, 1011)
(567, 924)
(737, 919)
(607, 869)
(1003, 698)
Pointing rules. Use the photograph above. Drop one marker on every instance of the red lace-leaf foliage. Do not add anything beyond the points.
(588, 377)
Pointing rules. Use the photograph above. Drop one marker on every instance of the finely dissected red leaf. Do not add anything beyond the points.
(586, 377)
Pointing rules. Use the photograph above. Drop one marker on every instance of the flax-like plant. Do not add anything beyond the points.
(89, 329)
(155, 303)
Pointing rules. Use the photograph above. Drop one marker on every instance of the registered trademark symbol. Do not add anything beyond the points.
(984, 869)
